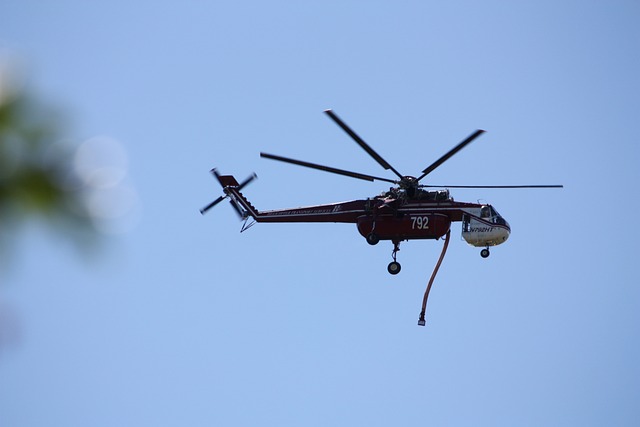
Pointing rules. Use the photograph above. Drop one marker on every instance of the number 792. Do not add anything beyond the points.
(419, 222)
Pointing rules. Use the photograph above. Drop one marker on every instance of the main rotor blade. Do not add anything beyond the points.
(361, 142)
(450, 153)
(492, 186)
(326, 168)
(212, 204)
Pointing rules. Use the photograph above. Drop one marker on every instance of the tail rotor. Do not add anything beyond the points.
(212, 204)
(247, 181)
(227, 181)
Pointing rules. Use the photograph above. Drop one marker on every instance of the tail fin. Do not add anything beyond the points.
(231, 189)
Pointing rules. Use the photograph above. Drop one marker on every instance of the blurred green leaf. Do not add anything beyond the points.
(37, 178)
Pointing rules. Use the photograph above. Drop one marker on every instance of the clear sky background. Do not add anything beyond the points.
(180, 320)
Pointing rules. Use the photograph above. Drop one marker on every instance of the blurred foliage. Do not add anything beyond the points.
(37, 178)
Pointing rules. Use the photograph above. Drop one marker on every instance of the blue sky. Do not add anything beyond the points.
(181, 320)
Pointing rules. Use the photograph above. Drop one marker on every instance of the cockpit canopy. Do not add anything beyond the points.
(489, 213)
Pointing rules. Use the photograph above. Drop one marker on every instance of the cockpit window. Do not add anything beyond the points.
(485, 212)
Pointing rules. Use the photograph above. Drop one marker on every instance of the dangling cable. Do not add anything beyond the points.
(422, 322)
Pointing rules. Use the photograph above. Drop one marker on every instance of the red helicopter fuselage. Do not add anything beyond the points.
(391, 216)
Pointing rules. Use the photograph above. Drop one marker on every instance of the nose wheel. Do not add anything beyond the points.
(394, 266)
(485, 253)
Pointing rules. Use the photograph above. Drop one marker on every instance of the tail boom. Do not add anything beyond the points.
(346, 212)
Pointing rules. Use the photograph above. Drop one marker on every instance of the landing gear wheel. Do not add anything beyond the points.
(485, 253)
(394, 267)
(373, 238)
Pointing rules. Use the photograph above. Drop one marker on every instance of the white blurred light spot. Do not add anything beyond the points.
(112, 202)
(101, 164)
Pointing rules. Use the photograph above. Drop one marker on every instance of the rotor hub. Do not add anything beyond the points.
(408, 182)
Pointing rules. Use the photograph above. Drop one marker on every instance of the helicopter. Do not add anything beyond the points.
(405, 212)
(409, 210)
